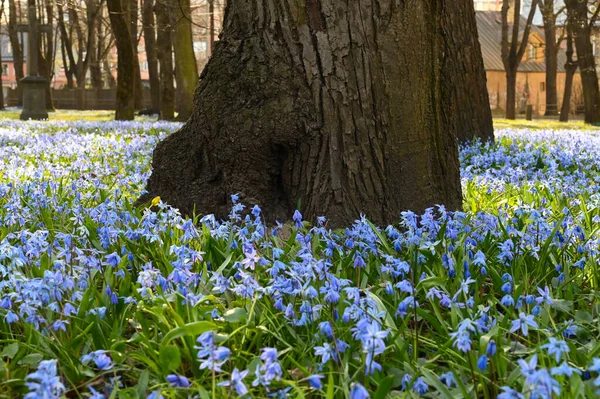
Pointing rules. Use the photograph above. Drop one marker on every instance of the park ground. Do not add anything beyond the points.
(103, 299)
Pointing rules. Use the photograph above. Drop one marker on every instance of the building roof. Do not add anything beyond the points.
(489, 27)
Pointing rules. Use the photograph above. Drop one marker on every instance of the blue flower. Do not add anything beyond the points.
(482, 362)
(178, 381)
(100, 358)
(236, 382)
(357, 391)
(315, 381)
(509, 393)
(491, 348)
(448, 379)
(564, 369)
(44, 383)
(556, 348)
(523, 323)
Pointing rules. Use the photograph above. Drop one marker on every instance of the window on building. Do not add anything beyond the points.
(543, 86)
(8, 48)
(532, 54)
(4, 69)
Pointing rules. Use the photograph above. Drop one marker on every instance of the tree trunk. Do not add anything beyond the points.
(571, 68)
(66, 48)
(512, 50)
(186, 70)
(1, 88)
(110, 79)
(551, 63)
(334, 109)
(211, 27)
(464, 89)
(46, 54)
(578, 20)
(97, 58)
(15, 43)
(133, 30)
(150, 42)
(126, 61)
(164, 52)
(511, 94)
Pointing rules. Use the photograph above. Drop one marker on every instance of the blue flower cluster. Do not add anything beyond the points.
(498, 300)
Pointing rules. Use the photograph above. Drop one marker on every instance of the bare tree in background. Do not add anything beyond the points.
(17, 47)
(164, 52)
(149, 28)
(571, 66)
(2, 18)
(550, 14)
(186, 69)
(126, 61)
(513, 48)
(582, 24)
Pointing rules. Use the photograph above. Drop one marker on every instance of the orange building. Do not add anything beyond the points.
(531, 76)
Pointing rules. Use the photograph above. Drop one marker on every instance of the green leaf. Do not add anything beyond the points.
(31, 360)
(170, 357)
(384, 387)
(583, 316)
(235, 315)
(330, 386)
(562, 305)
(191, 329)
(142, 385)
(10, 351)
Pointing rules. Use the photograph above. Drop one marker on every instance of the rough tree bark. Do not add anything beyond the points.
(126, 61)
(186, 70)
(466, 100)
(15, 43)
(332, 106)
(164, 52)
(577, 11)
(551, 55)
(571, 68)
(512, 50)
(150, 43)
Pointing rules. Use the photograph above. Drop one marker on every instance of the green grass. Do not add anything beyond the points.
(538, 124)
(70, 115)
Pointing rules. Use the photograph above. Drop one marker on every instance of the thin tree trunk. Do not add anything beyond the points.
(133, 30)
(464, 86)
(164, 52)
(551, 58)
(337, 110)
(211, 27)
(126, 61)
(15, 43)
(512, 50)
(66, 48)
(571, 68)
(46, 52)
(97, 59)
(110, 79)
(186, 70)
(578, 20)
(1, 76)
(511, 94)
(150, 42)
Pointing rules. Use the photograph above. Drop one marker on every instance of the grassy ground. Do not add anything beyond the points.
(67, 115)
(542, 124)
(76, 115)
